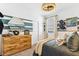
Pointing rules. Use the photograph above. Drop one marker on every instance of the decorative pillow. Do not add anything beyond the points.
(73, 42)
(60, 40)
(61, 35)
(68, 35)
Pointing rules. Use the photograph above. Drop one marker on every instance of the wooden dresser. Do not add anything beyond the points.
(14, 44)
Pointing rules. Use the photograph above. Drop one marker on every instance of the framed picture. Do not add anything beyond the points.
(70, 22)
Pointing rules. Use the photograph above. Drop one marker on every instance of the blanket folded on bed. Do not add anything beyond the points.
(38, 48)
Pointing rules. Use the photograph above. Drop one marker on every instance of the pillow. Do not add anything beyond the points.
(61, 35)
(68, 35)
(73, 42)
(60, 40)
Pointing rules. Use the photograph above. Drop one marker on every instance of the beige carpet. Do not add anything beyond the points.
(28, 52)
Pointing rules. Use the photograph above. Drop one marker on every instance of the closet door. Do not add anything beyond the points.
(52, 25)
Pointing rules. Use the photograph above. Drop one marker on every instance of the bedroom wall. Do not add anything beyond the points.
(71, 10)
(35, 35)
(22, 10)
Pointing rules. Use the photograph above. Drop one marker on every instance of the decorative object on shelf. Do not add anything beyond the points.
(61, 25)
(26, 32)
(16, 32)
(73, 42)
(48, 6)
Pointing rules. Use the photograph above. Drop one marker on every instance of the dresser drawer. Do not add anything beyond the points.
(16, 44)
(23, 45)
(10, 40)
(9, 47)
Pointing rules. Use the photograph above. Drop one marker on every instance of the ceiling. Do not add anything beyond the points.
(31, 10)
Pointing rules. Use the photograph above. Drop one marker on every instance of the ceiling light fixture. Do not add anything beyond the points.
(48, 6)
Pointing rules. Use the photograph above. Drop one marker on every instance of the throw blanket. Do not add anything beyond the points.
(38, 48)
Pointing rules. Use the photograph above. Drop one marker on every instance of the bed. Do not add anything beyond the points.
(50, 48)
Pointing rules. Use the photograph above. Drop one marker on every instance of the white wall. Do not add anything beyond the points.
(71, 10)
(35, 34)
(23, 10)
